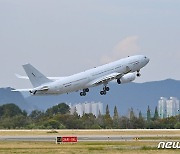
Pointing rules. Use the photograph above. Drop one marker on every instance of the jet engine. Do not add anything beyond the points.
(126, 78)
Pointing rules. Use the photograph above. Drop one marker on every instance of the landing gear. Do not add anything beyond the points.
(118, 81)
(138, 74)
(83, 93)
(86, 90)
(104, 91)
(107, 88)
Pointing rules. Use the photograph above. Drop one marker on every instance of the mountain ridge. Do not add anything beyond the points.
(135, 95)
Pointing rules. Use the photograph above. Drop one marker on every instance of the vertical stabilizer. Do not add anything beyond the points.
(36, 77)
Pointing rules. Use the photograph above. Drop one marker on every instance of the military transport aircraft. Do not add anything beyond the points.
(123, 71)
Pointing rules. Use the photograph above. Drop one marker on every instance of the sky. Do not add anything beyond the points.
(63, 37)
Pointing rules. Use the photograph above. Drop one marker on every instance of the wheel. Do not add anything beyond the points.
(107, 88)
(87, 90)
(102, 92)
(138, 74)
(81, 94)
(118, 81)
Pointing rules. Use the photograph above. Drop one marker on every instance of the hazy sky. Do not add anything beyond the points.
(62, 37)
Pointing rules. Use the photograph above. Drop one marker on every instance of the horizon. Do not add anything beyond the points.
(114, 82)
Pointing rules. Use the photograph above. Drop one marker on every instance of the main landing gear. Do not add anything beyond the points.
(138, 74)
(105, 89)
(83, 93)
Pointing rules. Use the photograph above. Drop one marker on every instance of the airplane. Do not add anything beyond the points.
(123, 71)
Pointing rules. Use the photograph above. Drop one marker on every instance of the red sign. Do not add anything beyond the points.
(69, 139)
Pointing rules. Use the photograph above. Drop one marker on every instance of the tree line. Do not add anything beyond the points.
(59, 117)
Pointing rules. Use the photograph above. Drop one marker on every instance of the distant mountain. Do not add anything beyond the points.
(7, 97)
(135, 95)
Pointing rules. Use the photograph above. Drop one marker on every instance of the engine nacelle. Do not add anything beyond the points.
(128, 78)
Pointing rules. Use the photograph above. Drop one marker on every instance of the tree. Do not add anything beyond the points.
(116, 115)
(107, 110)
(53, 124)
(132, 115)
(89, 120)
(115, 118)
(107, 118)
(124, 122)
(100, 120)
(156, 116)
(58, 109)
(75, 114)
(133, 120)
(140, 115)
(36, 115)
(177, 125)
(148, 114)
(140, 121)
(69, 121)
(10, 110)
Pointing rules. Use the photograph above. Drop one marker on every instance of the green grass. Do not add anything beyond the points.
(111, 147)
(82, 147)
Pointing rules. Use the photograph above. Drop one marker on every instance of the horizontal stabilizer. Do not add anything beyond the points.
(32, 91)
(21, 90)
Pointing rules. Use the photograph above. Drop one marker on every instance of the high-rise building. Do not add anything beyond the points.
(168, 108)
(162, 107)
(87, 107)
(96, 108)
(79, 109)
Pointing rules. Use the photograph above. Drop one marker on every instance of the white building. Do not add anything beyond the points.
(96, 108)
(86, 107)
(162, 107)
(168, 108)
(79, 109)
(91, 107)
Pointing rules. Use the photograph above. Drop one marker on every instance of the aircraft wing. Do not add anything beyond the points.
(26, 77)
(107, 78)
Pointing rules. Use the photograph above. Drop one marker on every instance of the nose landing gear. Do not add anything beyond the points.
(138, 74)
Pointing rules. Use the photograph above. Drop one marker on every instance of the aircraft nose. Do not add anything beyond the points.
(147, 59)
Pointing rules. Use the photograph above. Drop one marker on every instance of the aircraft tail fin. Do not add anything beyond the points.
(36, 77)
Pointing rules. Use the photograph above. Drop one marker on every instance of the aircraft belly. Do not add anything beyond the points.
(74, 87)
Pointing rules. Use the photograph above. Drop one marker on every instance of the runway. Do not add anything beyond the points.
(53, 138)
(81, 138)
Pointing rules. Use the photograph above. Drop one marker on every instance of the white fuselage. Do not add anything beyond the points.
(85, 79)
